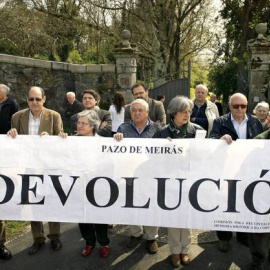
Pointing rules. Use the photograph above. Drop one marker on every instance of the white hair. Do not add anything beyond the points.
(140, 101)
(202, 86)
(71, 94)
(5, 88)
(263, 104)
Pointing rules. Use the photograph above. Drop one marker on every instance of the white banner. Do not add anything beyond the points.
(190, 183)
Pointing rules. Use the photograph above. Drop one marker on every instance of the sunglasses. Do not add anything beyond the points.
(237, 106)
(36, 99)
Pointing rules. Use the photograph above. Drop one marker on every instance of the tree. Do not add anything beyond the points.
(167, 33)
(240, 18)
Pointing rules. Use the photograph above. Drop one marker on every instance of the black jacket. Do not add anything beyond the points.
(166, 132)
(74, 108)
(223, 125)
(8, 109)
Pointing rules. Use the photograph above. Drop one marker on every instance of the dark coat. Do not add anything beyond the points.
(166, 132)
(223, 125)
(8, 109)
(220, 108)
(73, 108)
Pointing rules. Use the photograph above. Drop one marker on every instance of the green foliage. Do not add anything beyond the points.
(14, 228)
(90, 56)
(223, 79)
(64, 50)
(199, 75)
(7, 47)
(75, 57)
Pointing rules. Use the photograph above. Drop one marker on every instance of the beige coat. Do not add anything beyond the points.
(51, 122)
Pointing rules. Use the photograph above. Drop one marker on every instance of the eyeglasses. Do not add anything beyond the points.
(186, 112)
(37, 99)
(82, 123)
(237, 106)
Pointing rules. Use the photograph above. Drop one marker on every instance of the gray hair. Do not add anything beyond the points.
(5, 88)
(178, 104)
(202, 86)
(92, 117)
(263, 104)
(70, 94)
(140, 101)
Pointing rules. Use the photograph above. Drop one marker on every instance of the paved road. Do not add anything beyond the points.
(204, 256)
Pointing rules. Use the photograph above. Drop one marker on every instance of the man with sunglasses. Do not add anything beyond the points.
(37, 120)
(232, 126)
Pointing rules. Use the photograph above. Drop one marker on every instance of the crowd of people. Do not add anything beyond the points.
(142, 118)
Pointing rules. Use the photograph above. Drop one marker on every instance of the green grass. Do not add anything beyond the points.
(14, 228)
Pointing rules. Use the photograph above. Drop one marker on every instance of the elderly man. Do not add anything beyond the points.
(232, 126)
(90, 100)
(73, 106)
(156, 108)
(140, 126)
(204, 111)
(37, 120)
(7, 108)
(213, 99)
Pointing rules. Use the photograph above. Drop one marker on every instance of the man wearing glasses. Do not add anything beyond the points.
(156, 108)
(37, 120)
(232, 126)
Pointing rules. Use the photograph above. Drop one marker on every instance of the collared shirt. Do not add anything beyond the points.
(140, 132)
(241, 129)
(34, 123)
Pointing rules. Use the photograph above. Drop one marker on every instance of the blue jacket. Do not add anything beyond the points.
(129, 130)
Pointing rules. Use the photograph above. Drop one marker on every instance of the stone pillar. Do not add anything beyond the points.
(126, 66)
(258, 67)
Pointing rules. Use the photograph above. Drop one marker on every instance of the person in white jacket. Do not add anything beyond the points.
(204, 111)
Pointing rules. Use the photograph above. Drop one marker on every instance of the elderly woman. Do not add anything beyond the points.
(87, 125)
(262, 111)
(179, 127)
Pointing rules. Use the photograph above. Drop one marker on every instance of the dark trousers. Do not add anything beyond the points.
(94, 232)
(227, 236)
(259, 244)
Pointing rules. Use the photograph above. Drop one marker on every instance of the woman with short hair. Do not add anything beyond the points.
(179, 127)
(87, 125)
(262, 112)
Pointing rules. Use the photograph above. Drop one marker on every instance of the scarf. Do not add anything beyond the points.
(178, 132)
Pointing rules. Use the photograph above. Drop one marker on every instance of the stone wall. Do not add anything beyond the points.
(56, 78)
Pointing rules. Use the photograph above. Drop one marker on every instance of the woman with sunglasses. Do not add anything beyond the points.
(179, 127)
(262, 113)
(87, 125)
